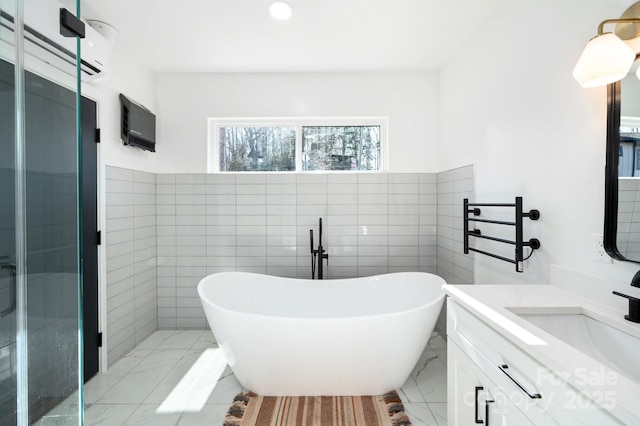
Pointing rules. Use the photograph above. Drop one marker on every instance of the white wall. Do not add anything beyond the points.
(186, 101)
(509, 104)
(136, 83)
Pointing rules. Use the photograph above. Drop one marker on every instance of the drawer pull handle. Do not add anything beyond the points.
(486, 408)
(478, 389)
(504, 368)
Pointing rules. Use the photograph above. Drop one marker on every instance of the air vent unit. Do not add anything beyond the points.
(43, 40)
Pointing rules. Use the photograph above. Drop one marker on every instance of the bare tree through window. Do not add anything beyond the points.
(257, 149)
(298, 144)
(341, 147)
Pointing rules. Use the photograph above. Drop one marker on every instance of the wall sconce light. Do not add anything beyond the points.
(608, 57)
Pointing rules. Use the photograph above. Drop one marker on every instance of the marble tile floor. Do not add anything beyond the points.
(137, 390)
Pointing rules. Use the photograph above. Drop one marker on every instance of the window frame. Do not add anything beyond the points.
(214, 124)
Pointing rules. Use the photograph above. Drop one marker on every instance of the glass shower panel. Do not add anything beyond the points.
(52, 246)
(40, 266)
(7, 243)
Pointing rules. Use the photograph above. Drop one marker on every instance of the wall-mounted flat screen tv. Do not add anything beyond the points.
(138, 125)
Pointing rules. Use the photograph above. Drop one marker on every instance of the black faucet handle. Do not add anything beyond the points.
(634, 307)
(635, 281)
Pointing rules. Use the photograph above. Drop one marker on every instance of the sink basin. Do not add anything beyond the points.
(602, 342)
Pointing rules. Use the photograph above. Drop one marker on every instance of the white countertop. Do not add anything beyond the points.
(492, 304)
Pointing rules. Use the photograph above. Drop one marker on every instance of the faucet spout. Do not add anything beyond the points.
(634, 307)
(634, 302)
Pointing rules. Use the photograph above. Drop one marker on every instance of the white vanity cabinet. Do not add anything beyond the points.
(522, 390)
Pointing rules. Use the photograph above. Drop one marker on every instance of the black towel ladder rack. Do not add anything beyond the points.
(519, 242)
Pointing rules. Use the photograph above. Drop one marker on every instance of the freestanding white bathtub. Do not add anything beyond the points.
(295, 337)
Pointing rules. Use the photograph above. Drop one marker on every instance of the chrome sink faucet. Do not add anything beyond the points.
(634, 302)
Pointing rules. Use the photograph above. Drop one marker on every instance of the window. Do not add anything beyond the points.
(340, 147)
(282, 145)
(257, 149)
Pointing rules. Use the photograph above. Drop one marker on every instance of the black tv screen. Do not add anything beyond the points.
(138, 125)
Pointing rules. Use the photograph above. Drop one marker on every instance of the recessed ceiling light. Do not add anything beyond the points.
(280, 10)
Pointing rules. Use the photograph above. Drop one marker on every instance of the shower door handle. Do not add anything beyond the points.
(12, 288)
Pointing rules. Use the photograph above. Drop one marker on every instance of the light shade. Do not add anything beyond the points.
(280, 10)
(606, 59)
(633, 43)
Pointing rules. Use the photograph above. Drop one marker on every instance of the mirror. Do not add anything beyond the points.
(622, 172)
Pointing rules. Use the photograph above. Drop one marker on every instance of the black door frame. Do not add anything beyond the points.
(92, 337)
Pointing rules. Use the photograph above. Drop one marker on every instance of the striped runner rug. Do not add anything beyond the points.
(249, 409)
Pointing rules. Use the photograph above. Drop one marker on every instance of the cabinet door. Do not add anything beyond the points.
(473, 398)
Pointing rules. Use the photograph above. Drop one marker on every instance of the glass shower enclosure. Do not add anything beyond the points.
(40, 261)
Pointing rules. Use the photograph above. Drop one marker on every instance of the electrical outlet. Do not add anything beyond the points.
(600, 254)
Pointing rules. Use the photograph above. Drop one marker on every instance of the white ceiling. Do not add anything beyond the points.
(322, 35)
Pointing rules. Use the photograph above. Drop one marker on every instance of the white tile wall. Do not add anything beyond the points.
(373, 224)
(281, 219)
(452, 187)
(130, 239)
(404, 224)
(311, 204)
(341, 235)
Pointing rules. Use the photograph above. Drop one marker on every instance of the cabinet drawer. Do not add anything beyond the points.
(473, 398)
(537, 391)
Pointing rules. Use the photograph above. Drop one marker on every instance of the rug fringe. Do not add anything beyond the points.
(237, 409)
(395, 409)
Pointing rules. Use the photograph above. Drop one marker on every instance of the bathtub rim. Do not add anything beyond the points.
(440, 299)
